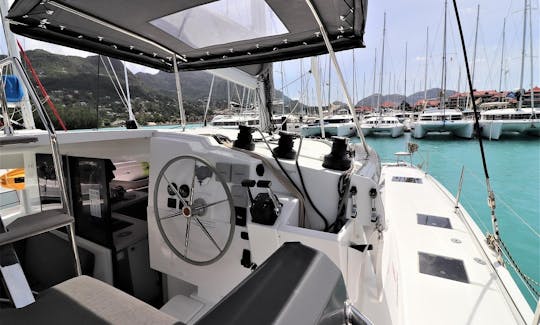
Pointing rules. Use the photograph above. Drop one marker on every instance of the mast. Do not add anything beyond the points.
(502, 55)
(425, 69)
(470, 97)
(405, 81)
(522, 56)
(353, 80)
(315, 68)
(458, 86)
(301, 86)
(329, 81)
(531, 56)
(382, 66)
(443, 73)
(364, 87)
(374, 80)
(282, 91)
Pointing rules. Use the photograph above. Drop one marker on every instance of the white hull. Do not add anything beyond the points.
(493, 129)
(393, 130)
(340, 130)
(460, 128)
(310, 131)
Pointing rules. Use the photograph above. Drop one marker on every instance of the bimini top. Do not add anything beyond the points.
(204, 34)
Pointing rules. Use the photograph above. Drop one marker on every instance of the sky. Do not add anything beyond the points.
(406, 24)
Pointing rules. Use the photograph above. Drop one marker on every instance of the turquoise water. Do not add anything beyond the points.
(514, 171)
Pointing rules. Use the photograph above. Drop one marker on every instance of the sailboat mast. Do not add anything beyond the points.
(382, 66)
(502, 54)
(364, 87)
(405, 82)
(475, 43)
(522, 56)
(353, 80)
(531, 55)
(374, 79)
(329, 82)
(443, 74)
(282, 93)
(425, 69)
(470, 97)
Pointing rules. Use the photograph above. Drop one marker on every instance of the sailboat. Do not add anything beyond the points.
(235, 226)
(525, 120)
(442, 119)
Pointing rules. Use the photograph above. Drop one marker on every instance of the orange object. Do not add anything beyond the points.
(13, 179)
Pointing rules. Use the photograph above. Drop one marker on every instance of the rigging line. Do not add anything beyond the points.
(114, 84)
(498, 197)
(323, 218)
(513, 263)
(118, 81)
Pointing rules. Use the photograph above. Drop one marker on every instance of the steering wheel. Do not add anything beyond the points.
(194, 209)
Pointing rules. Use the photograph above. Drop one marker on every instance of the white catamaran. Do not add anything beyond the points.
(227, 226)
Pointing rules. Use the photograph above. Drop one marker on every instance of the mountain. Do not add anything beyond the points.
(77, 84)
(371, 100)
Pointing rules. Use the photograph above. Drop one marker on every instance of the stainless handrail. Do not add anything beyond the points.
(57, 158)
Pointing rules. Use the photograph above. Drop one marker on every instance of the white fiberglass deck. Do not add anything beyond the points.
(429, 299)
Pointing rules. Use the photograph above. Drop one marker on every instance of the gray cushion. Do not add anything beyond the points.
(85, 300)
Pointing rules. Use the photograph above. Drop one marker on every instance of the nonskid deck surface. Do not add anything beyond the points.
(444, 276)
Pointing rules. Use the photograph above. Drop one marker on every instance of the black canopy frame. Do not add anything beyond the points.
(122, 29)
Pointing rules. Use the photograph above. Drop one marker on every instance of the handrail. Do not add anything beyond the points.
(57, 159)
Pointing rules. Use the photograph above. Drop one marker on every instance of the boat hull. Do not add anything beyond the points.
(341, 130)
(393, 131)
(493, 129)
(462, 129)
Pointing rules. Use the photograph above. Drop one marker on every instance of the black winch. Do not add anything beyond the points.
(338, 158)
(244, 139)
(285, 145)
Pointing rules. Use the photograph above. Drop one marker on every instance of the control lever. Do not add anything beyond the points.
(249, 183)
(273, 197)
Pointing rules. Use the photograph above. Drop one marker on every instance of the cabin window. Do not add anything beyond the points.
(222, 22)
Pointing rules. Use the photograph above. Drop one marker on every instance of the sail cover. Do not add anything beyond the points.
(203, 34)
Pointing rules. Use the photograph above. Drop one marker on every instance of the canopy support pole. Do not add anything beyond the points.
(179, 94)
(332, 55)
(316, 74)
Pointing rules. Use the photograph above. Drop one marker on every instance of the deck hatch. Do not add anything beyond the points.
(407, 179)
(443, 267)
(434, 221)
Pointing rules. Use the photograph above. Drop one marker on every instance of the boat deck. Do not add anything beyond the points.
(447, 275)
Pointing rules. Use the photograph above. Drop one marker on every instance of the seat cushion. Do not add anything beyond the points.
(85, 300)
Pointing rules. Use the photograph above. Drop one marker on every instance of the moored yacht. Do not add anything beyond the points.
(442, 120)
(338, 125)
(232, 226)
(234, 120)
(382, 125)
(495, 122)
